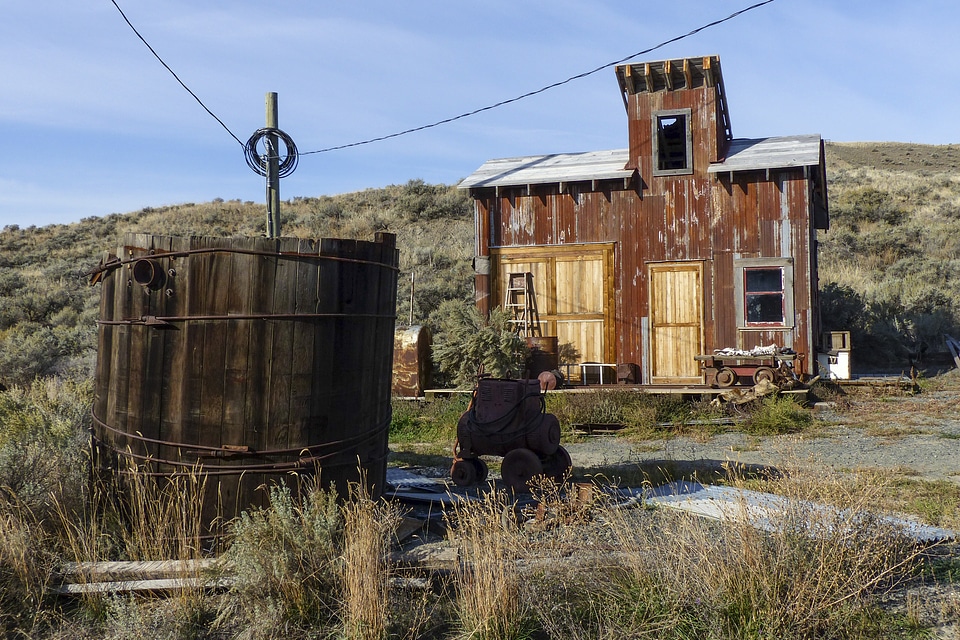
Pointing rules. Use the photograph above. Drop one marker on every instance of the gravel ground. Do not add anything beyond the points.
(917, 436)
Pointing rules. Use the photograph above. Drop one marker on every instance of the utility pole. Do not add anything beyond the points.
(269, 164)
(273, 168)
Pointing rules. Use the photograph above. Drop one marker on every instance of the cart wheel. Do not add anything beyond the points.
(482, 470)
(726, 377)
(764, 374)
(545, 439)
(558, 465)
(463, 472)
(519, 467)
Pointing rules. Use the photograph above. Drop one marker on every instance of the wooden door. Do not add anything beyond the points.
(574, 290)
(676, 322)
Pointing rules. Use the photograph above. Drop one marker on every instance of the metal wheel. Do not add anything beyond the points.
(764, 374)
(463, 472)
(726, 377)
(519, 467)
(546, 437)
(482, 470)
(558, 465)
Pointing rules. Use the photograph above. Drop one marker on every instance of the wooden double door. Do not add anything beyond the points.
(574, 290)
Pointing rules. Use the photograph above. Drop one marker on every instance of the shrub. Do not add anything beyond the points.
(776, 414)
(44, 443)
(285, 560)
(468, 343)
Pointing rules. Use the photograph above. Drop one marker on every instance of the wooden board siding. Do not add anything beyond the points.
(706, 218)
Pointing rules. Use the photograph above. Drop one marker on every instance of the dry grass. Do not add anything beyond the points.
(811, 575)
(489, 606)
(24, 571)
(137, 516)
(369, 527)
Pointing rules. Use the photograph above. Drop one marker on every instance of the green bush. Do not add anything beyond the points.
(467, 343)
(284, 558)
(777, 414)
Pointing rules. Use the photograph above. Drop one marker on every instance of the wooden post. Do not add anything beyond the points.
(273, 169)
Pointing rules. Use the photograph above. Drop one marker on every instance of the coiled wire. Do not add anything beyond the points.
(259, 162)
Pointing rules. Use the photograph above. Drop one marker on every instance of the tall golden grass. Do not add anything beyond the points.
(489, 604)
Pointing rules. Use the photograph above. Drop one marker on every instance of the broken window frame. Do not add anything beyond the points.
(744, 266)
(659, 149)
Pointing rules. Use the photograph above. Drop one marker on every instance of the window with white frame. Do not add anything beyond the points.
(764, 292)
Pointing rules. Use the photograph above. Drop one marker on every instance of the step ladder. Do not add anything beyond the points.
(521, 301)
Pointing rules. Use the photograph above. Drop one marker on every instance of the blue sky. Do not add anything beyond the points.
(92, 124)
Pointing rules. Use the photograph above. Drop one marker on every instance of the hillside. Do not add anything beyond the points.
(891, 259)
(888, 264)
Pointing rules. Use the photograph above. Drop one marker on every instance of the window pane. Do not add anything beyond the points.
(765, 308)
(763, 280)
(672, 142)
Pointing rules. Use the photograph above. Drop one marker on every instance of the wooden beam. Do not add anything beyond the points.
(629, 79)
(687, 73)
(708, 72)
(648, 76)
(668, 74)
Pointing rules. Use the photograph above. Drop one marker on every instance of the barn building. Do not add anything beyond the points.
(687, 241)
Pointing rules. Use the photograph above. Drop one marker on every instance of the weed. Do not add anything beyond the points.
(776, 414)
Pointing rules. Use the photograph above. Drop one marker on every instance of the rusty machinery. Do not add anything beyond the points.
(508, 418)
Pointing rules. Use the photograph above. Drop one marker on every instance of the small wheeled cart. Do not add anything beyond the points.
(726, 369)
(508, 418)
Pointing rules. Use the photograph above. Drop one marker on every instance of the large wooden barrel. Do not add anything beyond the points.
(256, 359)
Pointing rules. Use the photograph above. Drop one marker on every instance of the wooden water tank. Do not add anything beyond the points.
(256, 358)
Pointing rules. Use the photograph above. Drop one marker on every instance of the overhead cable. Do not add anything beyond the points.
(542, 89)
(462, 115)
(167, 67)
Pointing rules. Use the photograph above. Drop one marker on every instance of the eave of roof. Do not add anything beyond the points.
(751, 154)
(556, 167)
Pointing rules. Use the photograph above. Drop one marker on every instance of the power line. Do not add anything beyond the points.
(542, 89)
(462, 115)
(167, 67)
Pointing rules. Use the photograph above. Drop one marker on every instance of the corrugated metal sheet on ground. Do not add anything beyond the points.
(771, 512)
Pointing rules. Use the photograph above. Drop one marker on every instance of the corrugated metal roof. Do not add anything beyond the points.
(557, 167)
(745, 154)
(748, 154)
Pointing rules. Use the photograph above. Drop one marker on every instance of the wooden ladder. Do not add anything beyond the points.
(521, 301)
